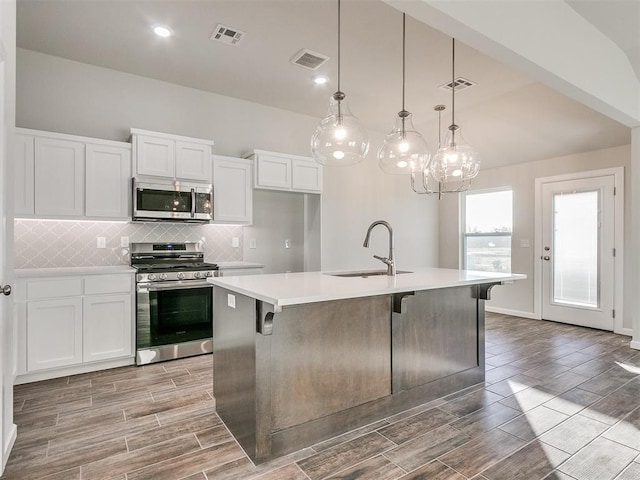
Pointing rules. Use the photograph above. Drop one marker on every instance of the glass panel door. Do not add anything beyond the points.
(576, 255)
(576, 243)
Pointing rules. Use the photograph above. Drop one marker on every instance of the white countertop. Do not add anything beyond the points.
(65, 271)
(284, 289)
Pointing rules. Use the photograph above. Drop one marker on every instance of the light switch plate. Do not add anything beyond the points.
(101, 242)
(235, 242)
(231, 300)
(252, 243)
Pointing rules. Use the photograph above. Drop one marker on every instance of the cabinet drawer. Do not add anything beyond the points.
(108, 284)
(55, 287)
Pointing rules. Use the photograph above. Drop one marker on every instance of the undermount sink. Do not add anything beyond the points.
(366, 274)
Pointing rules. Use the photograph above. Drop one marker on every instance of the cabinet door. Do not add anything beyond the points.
(107, 327)
(23, 193)
(273, 172)
(232, 192)
(108, 189)
(54, 333)
(155, 156)
(193, 162)
(306, 176)
(59, 177)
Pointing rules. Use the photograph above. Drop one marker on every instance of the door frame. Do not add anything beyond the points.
(618, 240)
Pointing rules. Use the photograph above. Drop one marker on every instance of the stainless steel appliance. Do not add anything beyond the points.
(174, 301)
(172, 201)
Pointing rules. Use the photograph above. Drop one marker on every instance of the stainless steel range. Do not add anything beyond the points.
(174, 301)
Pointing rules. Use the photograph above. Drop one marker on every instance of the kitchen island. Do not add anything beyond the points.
(302, 357)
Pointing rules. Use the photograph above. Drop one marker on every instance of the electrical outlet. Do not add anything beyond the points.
(231, 300)
(252, 243)
(124, 242)
(287, 243)
(235, 242)
(101, 242)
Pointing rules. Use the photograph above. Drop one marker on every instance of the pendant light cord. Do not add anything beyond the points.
(453, 81)
(403, 55)
(339, 45)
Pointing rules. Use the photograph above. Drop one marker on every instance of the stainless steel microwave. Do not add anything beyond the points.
(171, 201)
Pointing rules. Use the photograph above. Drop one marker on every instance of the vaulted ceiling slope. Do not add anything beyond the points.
(507, 115)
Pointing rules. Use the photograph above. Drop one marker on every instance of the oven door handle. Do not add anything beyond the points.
(172, 286)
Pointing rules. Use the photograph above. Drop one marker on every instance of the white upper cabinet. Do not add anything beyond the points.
(67, 176)
(273, 172)
(171, 156)
(232, 190)
(59, 177)
(281, 171)
(306, 176)
(155, 156)
(108, 181)
(23, 193)
(193, 161)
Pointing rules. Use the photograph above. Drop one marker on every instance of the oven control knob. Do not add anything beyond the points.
(151, 277)
(180, 276)
(163, 276)
(207, 274)
(197, 275)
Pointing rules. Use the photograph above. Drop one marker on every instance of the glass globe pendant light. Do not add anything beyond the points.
(455, 161)
(339, 139)
(404, 151)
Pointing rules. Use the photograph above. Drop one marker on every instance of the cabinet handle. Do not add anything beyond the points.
(6, 290)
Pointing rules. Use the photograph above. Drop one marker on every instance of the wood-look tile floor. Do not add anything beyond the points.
(559, 402)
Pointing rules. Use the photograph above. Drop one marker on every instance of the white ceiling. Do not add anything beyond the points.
(617, 19)
(506, 116)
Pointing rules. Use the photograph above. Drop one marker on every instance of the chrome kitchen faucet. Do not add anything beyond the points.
(388, 261)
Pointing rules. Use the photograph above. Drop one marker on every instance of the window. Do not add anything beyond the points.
(487, 231)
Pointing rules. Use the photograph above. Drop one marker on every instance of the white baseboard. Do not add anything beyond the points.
(74, 370)
(624, 331)
(7, 449)
(515, 313)
(635, 344)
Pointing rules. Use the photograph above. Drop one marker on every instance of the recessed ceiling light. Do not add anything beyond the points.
(320, 79)
(162, 31)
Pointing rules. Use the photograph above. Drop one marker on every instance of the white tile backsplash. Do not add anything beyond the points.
(58, 244)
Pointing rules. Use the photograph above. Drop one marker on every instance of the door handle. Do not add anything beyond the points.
(6, 290)
(546, 257)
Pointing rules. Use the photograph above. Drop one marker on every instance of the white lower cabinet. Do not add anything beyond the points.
(106, 327)
(54, 333)
(73, 322)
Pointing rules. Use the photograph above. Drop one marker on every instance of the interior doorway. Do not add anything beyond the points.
(579, 248)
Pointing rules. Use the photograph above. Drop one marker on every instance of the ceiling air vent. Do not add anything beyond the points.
(460, 83)
(309, 59)
(227, 35)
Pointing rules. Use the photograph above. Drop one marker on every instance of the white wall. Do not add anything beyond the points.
(356, 196)
(70, 97)
(519, 296)
(277, 216)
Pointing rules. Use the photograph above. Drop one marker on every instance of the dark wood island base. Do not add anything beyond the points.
(286, 380)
